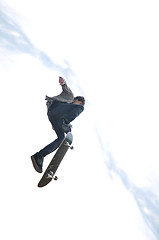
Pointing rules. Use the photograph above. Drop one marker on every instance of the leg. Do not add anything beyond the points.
(38, 158)
(55, 144)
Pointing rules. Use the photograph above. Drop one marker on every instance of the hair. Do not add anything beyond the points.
(80, 98)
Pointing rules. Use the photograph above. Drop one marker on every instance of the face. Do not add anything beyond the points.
(78, 102)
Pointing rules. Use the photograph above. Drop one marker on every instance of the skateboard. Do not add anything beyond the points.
(49, 173)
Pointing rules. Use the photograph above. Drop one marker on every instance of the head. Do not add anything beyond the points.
(79, 100)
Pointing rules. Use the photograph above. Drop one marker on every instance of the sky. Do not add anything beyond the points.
(108, 185)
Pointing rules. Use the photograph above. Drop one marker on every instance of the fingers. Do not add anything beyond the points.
(61, 81)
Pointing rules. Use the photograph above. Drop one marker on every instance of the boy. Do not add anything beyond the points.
(62, 110)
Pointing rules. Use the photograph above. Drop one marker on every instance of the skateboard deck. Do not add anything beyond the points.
(49, 173)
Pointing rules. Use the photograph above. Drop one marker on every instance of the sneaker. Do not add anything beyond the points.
(37, 163)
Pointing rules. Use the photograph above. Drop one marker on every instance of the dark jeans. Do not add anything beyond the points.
(56, 122)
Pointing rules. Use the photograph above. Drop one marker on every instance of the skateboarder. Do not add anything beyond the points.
(62, 110)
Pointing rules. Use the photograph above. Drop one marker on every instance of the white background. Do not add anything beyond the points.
(107, 51)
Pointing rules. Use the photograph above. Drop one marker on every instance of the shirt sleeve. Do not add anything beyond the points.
(65, 96)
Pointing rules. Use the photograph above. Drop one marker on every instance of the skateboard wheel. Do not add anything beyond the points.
(55, 178)
(71, 147)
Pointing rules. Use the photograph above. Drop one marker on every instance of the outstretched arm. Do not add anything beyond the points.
(62, 83)
(66, 94)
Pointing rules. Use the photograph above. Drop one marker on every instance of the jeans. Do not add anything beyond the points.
(57, 126)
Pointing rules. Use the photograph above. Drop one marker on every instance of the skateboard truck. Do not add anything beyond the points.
(51, 175)
(68, 145)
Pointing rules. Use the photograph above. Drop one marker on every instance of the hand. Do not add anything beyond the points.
(47, 98)
(62, 81)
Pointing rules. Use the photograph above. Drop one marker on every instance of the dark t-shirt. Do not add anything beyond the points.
(66, 111)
